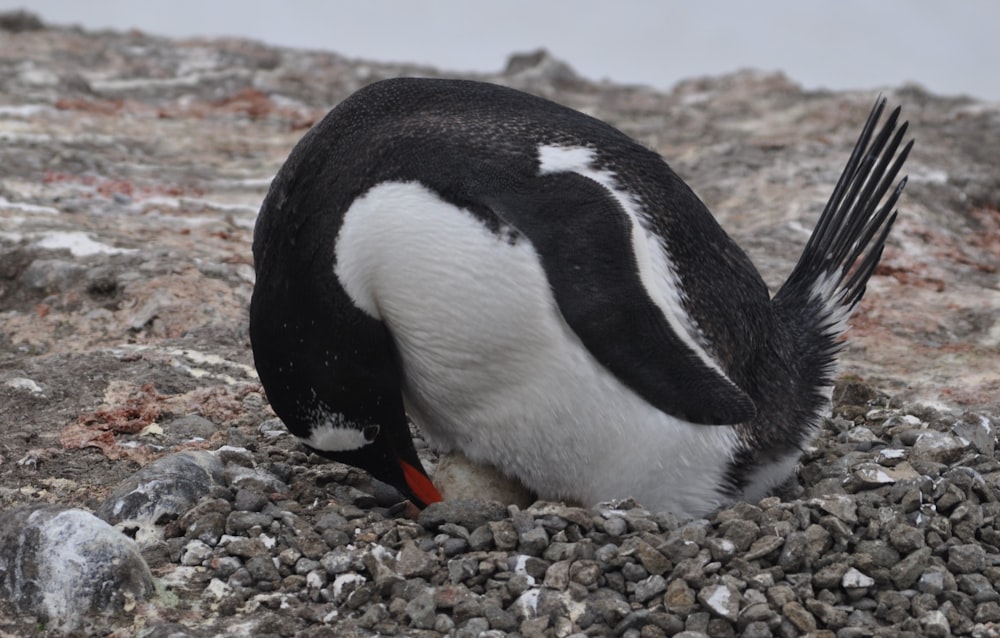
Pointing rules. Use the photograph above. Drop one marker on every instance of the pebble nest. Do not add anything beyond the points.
(891, 527)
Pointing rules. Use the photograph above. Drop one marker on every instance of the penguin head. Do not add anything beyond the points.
(384, 451)
(337, 391)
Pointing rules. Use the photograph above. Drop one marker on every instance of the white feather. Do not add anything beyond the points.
(491, 368)
(332, 435)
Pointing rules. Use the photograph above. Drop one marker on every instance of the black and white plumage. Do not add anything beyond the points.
(545, 295)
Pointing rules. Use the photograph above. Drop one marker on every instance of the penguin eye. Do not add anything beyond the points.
(370, 432)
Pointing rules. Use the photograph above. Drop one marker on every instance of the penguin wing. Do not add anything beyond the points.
(584, 240)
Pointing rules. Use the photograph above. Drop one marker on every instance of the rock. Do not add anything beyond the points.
(650, 587)
(854, 579)
(938, 446)
(69, 568)
(935, 624)
(906, 572)
(164, 489)
(470, 514)
(412, 561)
(799, 616)
(966, 559)
(679, 598)
(842, 507)
(256, 479)
(721, 600)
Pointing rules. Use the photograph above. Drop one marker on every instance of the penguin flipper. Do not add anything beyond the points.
(584, 240)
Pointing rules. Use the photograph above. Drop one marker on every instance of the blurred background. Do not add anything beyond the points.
(949, 49)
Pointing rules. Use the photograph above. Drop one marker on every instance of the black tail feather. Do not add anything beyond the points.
(846, 245)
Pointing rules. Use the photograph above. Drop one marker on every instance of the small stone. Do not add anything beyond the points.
(935, 624)
(64, 565)
(504, 535)
(615, 526)
(780, 595)
(763, 546)
(906, 572)
(262, 568)
(533, 541)
(443, 624)
(830, 576)
(978, 586)
(679, 598)
(250, 500)
(889, 457)
(239, 455)
(854, 579)
(979, 430)
(827, 614)
(164, 489)
(411, 561)
(421, 611)
(988, 612)
(586, 572)
(906, 538)
(195, 552)
(381, 564)
(741, 532)
(939, 447)
(652, 559)
(239, 477)
(757, 629)
(245, 547)
(799, 616)
(966, 559)
(340, 561)
(872, 475)
(931, 582)
(238, 522)
(462, 569)
(500, 620)
(532, 567)
(721, 600)
(634, 572)
(843, 507)
(650, 587)
(722, 549)
(481, 538)
(557, 575)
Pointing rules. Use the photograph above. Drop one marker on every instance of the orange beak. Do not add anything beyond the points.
(420, 485)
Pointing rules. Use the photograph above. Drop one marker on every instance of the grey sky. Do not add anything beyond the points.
(949, 48)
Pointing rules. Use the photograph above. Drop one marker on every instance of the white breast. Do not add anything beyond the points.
(491, 368)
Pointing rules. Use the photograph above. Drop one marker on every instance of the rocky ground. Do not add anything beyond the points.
(131, 169)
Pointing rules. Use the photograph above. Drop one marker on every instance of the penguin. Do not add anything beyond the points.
(541, 293)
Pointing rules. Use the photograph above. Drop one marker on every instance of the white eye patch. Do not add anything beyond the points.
(334, 435)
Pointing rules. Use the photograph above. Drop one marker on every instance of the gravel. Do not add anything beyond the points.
(914, 552)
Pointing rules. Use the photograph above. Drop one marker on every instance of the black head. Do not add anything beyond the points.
(329, 370)
(338, 391)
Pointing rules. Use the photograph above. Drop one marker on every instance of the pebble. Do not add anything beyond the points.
(66, 567)
(166, 488)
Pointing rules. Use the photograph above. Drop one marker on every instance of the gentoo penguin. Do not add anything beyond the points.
(543, 294)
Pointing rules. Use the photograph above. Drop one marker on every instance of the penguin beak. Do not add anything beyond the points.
(419, 488)
(392, 458)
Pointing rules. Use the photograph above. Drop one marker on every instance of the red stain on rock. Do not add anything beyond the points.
(100, 107)
(140, 409)
(98, 428)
